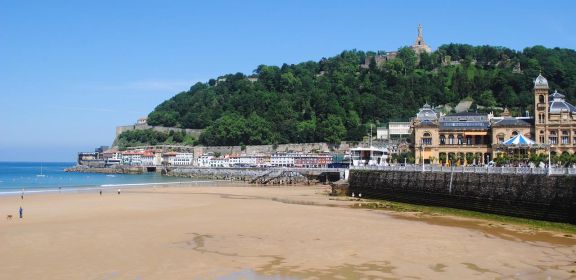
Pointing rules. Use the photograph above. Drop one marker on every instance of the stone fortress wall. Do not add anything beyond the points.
(269, 149)
(119, 129)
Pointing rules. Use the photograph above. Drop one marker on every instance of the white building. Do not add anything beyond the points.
(132, 158)
(148, 158)
(382, 133)
(219, 162)
(282, 159)
(183, 159)
(370, 156)
(112, 157)
(204, 160)
(394, 130)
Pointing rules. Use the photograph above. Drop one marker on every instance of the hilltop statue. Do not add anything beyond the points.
(420, 46)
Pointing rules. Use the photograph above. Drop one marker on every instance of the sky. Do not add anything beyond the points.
(71, 71)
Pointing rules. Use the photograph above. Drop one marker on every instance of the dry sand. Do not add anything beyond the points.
(246, 232)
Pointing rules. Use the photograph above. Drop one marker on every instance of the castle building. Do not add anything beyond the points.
(472, 138)
(418, 47)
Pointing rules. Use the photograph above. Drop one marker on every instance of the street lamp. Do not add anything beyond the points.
(549, 162)
(422, 155)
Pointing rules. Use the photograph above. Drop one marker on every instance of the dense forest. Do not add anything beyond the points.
(335, 99)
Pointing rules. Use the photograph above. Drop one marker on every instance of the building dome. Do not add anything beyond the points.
(426, 113)
(556, 96)
(540, 82)
(558, 104)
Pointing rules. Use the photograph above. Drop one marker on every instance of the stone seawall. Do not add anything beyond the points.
(250, 175)
(107, 170)
(533, 196)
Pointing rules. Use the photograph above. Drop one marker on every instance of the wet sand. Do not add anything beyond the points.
(247, 232)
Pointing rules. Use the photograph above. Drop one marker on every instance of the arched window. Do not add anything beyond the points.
(426, 139)
(500, 138)
(514, 133)
(451, 139)
(541, 99)
(459, 139)
(442, 139)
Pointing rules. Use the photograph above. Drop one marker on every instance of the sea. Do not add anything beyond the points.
(34, 177)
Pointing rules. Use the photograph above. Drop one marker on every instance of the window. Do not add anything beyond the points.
(541, 99)
(565, 137)
(442, 140)
(514, 133)
(451, 139)
(553, 138)
(500, 138)
(459, 139)
(427, 139)
(468, 140)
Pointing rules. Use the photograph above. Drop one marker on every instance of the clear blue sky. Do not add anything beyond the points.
(70, 71)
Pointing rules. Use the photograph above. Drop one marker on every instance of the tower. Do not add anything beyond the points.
(541, 109)
(419, 45)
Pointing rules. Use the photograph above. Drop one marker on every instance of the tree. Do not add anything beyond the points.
(408, 58)
(332, 129)
(297, 100)
(306, 131)
(487, 99)
(258, 131)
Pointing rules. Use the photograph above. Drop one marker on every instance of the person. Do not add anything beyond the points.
(22, 195)
(100, 192)
(118, 191)
(20, 211)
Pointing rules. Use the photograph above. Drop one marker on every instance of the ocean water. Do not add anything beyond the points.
(18, 176)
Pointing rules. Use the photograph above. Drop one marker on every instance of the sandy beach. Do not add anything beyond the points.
(249, 232)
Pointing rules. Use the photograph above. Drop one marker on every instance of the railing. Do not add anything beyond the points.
(473, 169)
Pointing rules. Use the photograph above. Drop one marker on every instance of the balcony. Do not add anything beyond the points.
(541, 106)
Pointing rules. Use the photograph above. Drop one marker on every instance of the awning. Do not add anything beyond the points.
(519, 140)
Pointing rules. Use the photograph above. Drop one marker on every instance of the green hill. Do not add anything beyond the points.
(335, 99)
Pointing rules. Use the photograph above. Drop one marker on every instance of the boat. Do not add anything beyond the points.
(369, 156)
(41, 173)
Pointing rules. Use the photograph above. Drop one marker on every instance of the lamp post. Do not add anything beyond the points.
(422, 155)
(549, 162)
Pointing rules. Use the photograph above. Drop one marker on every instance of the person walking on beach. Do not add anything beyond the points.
(118, 191)
(20, 211)
(100, 192)
(22, 195)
